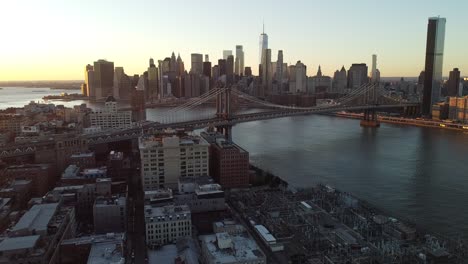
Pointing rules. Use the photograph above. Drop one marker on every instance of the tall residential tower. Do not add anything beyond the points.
(434, 60)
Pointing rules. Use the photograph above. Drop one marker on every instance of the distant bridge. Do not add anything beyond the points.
(367, 98)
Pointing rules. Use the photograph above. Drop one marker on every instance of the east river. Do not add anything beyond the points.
(413, 172)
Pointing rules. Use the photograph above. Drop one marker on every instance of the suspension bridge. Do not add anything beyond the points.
(200, 113)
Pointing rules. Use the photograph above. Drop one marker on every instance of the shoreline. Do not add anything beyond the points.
(272, 181)
(408, 121)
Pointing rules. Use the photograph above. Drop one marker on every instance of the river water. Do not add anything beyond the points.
(413, 172)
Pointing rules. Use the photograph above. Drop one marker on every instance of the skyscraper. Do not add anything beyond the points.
(266, 73)
(222, 67)
(357, 75)
(434, 61)
(226, 53)
(180, 66)
(301, 78)
(339, 81)
(197, 63)
(453, 83)
(374, 68)
(230, 69)
(151, 92)
(89, 81)
(263, 43)
(103, 78)
(279, 71)
(239, 63)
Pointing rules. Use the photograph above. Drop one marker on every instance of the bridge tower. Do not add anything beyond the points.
(370, 116)
(223, 110)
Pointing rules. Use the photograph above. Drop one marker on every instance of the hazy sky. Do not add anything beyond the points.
(55, 39)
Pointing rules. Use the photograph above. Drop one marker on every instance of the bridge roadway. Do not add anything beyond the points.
(12, 150)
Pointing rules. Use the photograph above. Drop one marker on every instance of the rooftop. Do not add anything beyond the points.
(107, 252)
(243, 248)
(83, 155)
(37, 218)
(167, 213)
(101, 201)
(209, 189)
(15, 243)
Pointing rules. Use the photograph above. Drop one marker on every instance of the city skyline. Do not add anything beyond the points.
(74, 34)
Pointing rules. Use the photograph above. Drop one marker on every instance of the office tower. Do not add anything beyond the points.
(173, 64)
(292, 78)
(164, 71)
(180, 66)
(118, 76)
(279, 71)
(222, 67)
(339, 81)
(168, 157)
(357, 75)
(266, 73)
(103, 78)
(319, 83)
(453, 83)
(207, 58)
(89, 81)
(197, 63)
(239, 63)
(248, 71)
(226, 53)
(151, 62)
(434, 61)
(263, 43)
(151, 92)
(230, 69)
(374, 68)
(207, 69)
(301, 77)
(215, 72)
(138, 100)
(122, 84)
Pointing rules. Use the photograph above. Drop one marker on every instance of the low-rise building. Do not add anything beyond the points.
(42, 176)
(110, 215)
(36, 236)
(224, 248)
(94, 249)
(84, 160)
(166, 224)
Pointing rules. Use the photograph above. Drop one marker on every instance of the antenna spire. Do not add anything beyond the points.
(263, 26)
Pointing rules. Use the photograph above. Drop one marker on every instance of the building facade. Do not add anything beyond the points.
(166, 158)
(164, 225)
(110, 215)
(433, 65)
(109, 117)
(357, 75)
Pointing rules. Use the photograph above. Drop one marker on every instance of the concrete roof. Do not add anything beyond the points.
(244, 249)
(37, 218)
(15, 243)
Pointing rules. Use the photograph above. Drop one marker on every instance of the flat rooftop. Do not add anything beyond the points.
(37, 218)
(16, 243)
(100, 201)
(83, 155)
(109, 252)
(167, 213)
(244, 248)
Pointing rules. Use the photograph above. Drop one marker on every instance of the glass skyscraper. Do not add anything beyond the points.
(434, 62)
